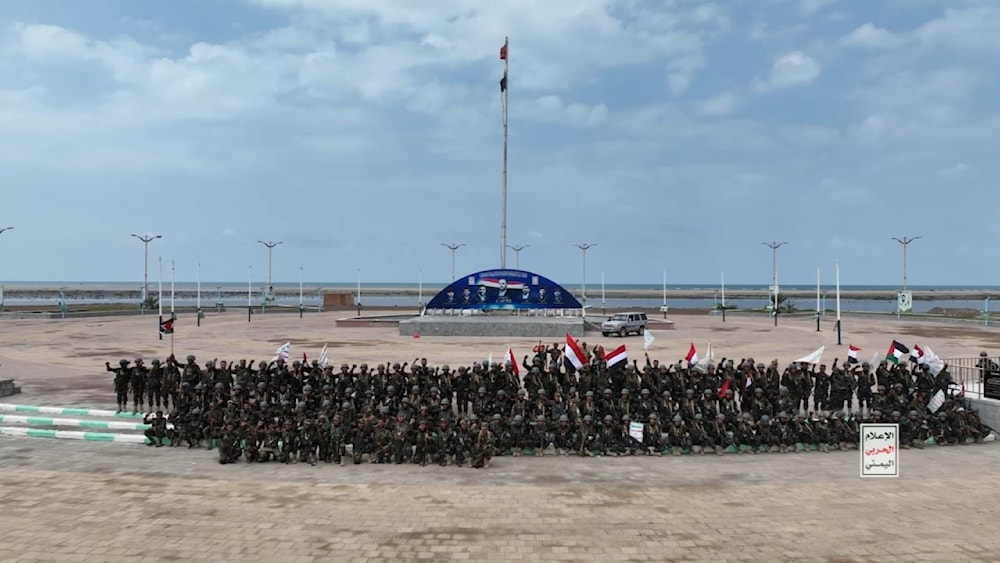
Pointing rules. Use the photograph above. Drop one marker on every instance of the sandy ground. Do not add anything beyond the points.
(62, 360)
(66, 500)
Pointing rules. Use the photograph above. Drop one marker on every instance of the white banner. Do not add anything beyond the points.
(635, 430)
(880, 450)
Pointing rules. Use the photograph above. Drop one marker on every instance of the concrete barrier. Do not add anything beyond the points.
(70, 411)
(73, 435)
(989, 411)
(509, 326)
(97, 424)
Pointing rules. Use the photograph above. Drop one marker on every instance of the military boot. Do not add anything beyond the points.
(719, 450)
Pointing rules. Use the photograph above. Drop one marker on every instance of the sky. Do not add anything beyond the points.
(676, 135)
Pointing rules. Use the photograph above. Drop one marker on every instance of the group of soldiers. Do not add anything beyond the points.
(294, 412)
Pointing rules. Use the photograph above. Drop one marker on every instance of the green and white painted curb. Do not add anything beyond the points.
(70, 411)
(73, 435)
(97, 424)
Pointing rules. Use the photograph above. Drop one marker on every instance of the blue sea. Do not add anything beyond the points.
(311, 297)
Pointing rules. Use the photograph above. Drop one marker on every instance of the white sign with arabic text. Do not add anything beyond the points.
(880, 450)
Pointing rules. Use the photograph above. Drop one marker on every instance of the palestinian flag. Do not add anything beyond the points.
(852, 354)
(896, 352)
(167, 326)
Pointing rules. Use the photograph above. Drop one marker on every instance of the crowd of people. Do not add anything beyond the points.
(274, 410)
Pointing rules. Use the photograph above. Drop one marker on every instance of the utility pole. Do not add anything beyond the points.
(905, 241)
(584, 247)
(146, 239)
(453, 248)
(774, 246)
(517, 254)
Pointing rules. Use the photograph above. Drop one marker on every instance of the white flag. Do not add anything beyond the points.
(324, 358)
(936, 401)
(647, 339)
(934, 363)
(709, 357)
(813, 358)
(489, 360)
(635, 430)
(282, 353)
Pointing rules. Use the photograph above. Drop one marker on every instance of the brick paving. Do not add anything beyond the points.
(80, 501)
(77, 501)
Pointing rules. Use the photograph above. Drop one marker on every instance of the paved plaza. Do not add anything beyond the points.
(65, 500)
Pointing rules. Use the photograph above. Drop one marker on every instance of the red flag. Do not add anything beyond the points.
(963, 388)
(513, 362)
(574, 354)
(724, 388)
(304, 359)
(503, 52)
(539, 349)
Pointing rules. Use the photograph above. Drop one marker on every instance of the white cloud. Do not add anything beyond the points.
(956, 170)
(794, 69)
(870, 37)
(719, 105)
(809, 7)
(553, 109)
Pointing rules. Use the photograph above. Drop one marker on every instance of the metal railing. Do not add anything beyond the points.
(968, 372)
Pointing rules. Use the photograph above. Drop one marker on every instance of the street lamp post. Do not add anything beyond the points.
(905, 241)
(2, 231)
(584, 247)
(774, 246)
(453, 248)
(517, 253)
(270, 249)
(146, 239)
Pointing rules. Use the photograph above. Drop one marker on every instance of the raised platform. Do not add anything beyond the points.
(989, 411)
(526, 327)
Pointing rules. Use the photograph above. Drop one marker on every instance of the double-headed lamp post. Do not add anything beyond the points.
(905, 241)
(774, 246)
(517, 253)
(270, 249)
(5, 229)
(146, 239)
(584, 247)
(453, 248)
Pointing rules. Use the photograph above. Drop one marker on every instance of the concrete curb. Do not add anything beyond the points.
(73, 435)
(98, 424)
(72, 411)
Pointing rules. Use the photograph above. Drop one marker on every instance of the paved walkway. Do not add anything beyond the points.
(77, 501)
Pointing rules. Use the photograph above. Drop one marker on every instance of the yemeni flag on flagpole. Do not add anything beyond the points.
(852, 353)
(692, 355)
(724, 389)
(574, 354)
(917, 356)
(615, 356)
(896, 352)
(509, 358)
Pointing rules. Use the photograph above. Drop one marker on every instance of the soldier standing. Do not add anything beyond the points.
(121, 382)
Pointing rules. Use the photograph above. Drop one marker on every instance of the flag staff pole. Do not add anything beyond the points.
(838, 301)
(723, 281)
(818, 304)
(250, 295)
(172, 315)
(159, 299)
(198, 314)
(505, 55)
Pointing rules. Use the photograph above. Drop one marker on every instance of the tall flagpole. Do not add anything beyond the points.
(172, 315)
(505, 55)
(159, 299)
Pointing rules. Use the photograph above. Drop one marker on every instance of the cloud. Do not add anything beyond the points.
(718, 105)
(793, 69)
(552, 109)
(809, 7)
(956, 170)
(870, 37)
